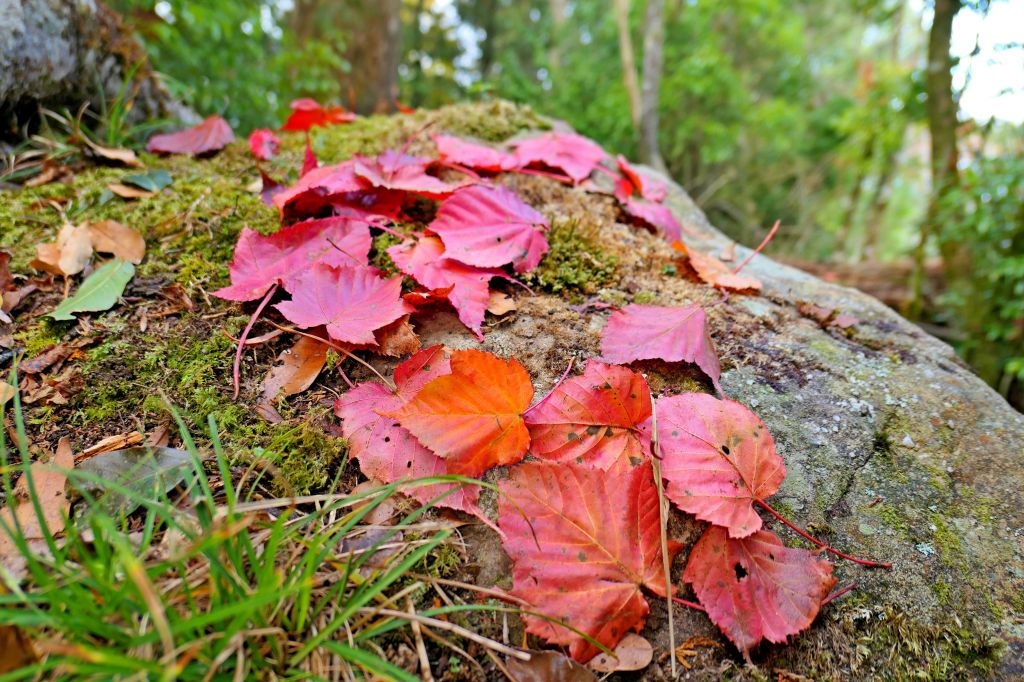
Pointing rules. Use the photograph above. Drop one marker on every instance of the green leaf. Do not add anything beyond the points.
(153, 181)
(99, 291)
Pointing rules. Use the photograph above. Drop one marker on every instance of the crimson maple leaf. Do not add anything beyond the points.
(386, 451)
(472, 417)
(583, 544)
(600, 418)
(673, 334)
(656, 216)
(261, 261)
(351, 302)
(264, 144)
(574, 154)
(464, 153)
(491, 226)
(307, 113)
(718, 459)
(425, 261)
(649, 188)
(394, 170)
(757, 588)
(211, 135)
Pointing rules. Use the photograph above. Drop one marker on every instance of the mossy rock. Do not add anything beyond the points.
(894, 449)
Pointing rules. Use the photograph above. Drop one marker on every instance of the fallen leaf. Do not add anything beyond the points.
(659, 218)
(827, 317)
(490, 227)
(129, 192)
(566, 529)
(68, 255)
(453, 150)
(268, 188)
(383, 513)
(548, 666)
(296, 369)
(424, 260)
(756, 588)
(309, 161)
(264, 144)
(51, 171)
(499, 303)
(718, 459)
(632, 653)
(261, 261)
(307, 113)
(398, 171)
(472, 417)
(600, 419)
(125, 156)
(574, 154)
(98, 292)
(112, 237)
(147, 472)
(16, 651)
(714, 272)
(649, 188)
(152, 181)
(351, 302)
(6, 392)
(676, 334)
(109, 444)
(397, 339)
(386, 451)
(212, 135)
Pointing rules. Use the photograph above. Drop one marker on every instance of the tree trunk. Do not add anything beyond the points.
(559, 11)
(942, 122)
(374, 53)
(61, 54)
(654, 43)
(628, 60)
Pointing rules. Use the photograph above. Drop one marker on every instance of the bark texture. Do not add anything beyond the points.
(654, 43)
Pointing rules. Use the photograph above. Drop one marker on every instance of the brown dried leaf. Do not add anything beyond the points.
(109, 236)
(129, 192)
(297, 368)
(548, 666)
(68, 255)
(109, 444)
(632, 653)
(125, 156)
(499, 303)
(16, 650)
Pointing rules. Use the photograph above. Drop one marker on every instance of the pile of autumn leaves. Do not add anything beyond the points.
(580, 520)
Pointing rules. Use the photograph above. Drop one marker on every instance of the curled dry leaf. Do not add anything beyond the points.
(600, 419)
(583, 545)
(296, 369)
(676, 334)
(632, 653)
(548, 666)
(472, 417)
(68, 255)
(756, 588)
(109, 236)
(16, 650)
(211, 135)
(130, 192)
(121, 155)
(499, 303)
(718, 459)
(714, 272)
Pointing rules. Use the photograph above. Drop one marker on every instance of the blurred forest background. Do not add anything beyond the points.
(886, 135)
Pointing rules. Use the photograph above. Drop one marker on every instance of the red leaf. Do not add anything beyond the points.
(756, 588)
(656, 216)
(574, 154)
(473, 416)
(351, 301)
(322, 182)
(271, 188)
(490, 226)
(715, 272)
(264, 144)
(424, 260)
(464, 153)
(649, 188)
(646, 332)
(307, 113)
(386, 451)
(718, 458)
(309, 162)
(262, 261)
(583, 544)
(394, 170)
(600, 418)
(211, 135)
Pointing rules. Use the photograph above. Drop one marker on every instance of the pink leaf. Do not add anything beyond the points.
(350, 301)
(260, 262)
(211, 135)
(322, 182)
(309, 162)
(270, 189)
(718, 459)
(574, 154)
(307, 113)
(339, 188)
(456, 151)
(424, 260)
(656, 216)
(645, 332)
(649, 188)
(264, 144)
(386, 451)
(600, 418)
(490, 226)
(394, 170)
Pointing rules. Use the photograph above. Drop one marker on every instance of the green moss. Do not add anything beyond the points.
(943, 591)
(306, 458)
(892, 517)
(645, 297)
(575, 264)
(41, 335)
(444, 562)
(947, 541)
(378, 252)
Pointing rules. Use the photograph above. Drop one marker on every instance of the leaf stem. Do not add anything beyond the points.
(690, 605)
(838, 593)
(819, 543)
(557, 384)
(764, 243)
(235, 370)
(341, 350)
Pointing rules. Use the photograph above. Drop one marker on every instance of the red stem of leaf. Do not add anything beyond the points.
(819, 543)
(838, 593)
(764, 243)
(689, 604)
(557, 384)
(245, 333)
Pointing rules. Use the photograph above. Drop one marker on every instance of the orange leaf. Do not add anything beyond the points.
(715, 272)
(473, 417)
